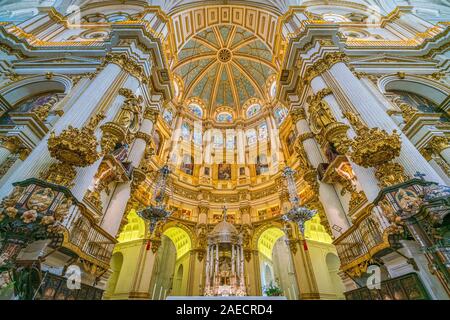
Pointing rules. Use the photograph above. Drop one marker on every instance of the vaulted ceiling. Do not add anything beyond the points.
(224, 65)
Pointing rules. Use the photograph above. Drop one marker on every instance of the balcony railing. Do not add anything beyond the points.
(86, 238)
(364, 239)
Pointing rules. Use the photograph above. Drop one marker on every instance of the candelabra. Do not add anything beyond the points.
(157, 211)
(298, 213)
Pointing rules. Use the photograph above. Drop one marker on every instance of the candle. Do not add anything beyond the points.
(154, 289)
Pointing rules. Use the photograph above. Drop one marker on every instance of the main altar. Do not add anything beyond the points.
(225, 261)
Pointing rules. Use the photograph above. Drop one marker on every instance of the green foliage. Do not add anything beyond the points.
(273, 290)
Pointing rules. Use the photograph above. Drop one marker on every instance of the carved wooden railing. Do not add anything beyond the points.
(367, 236)
(86, 238)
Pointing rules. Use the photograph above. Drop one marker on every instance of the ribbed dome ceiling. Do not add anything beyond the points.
(224, 66)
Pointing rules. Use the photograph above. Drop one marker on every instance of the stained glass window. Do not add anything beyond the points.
(224, 117)
(280, 114)
(198, 139)
(218, 140)
(251, 136)
(230, 142)
(186, 131)
(195, 109)
(262, 131)
(253, 110)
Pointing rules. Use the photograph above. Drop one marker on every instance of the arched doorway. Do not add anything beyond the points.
(170, 273)
(333, 265)
(116, 267)
(276, 264)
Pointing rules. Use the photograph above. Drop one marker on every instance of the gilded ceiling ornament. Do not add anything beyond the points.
(324, 64)
(127, 64)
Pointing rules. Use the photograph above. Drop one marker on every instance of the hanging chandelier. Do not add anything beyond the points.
(157, 211)
(298, 213)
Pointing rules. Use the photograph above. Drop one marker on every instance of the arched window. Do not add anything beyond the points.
(251, 137)
(185, 131)
(168, 116)
(29, 105)
(197, 136)
(331, 17)
(253, 110)
(224, 117)
(273, 90)
(218, 140)
(262, 132)
(420, 103)
(230, 141)
(280, 114)
(196, 110)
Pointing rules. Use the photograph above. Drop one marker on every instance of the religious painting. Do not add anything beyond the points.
(29, 105)
(290, 142)
(242, 171)
(187, 166)
(207, 171)
(262, 214)
(224, 171)
(157, 141)
(275, 211)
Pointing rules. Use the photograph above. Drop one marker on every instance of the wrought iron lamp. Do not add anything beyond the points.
(157, 211)
(298, 213)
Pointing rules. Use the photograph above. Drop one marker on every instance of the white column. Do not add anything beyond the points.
(371, 112)
(240, 141)
(116, 208)
(366, 176)
(85, 175)
(445, 154)
(176, 134)
(327, 193)
(40, 159)
(4, 154)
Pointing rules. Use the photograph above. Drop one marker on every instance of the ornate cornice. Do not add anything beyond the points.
(324, 64)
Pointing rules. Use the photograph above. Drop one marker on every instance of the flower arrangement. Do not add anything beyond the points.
(272, 290)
